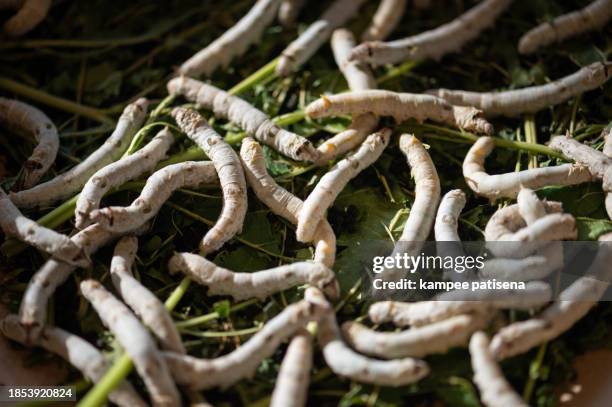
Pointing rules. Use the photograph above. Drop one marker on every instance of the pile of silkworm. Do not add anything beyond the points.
(140, 324)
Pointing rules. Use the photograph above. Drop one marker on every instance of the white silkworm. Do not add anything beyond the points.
(28, 121)
(535, 267)
(258, 284)
(234, 42)
(117, 173)
(253, 121)
(76, 351)
(53, 273)
(307, 44)
(532, 99)
(345, 362)
(509, 184)
(332, 183)
(488, 376)
(607, 150)
(282, 202)
(507, 220)
(384, 21)
(448, 242)
(400, 106)
(459, 302)
(436, 43)
(359, 77)
(599, 164)
(435, 338)
(592, 17)
(14, 224)
(289, 10)
(294, 375)
(158, 188)
(529, 206)
(29, 14)
(574, 303)
(136, 341)
(71, 182)
(226, 370)
(142, 301)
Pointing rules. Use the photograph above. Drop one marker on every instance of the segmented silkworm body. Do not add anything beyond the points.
(345, 362)
(158, 188)
(231, 177)
(259, 284)
(434, 338)
(76, 351)
(386, 18)
(252, 120)
(71, 182)
(607, 150)
(599, 164)
(307, 44)
(289, 10)
(142, 301)
(436, 43)
(234, 42)
(509, 184)
(592, 17)
(532, 99)
(117, 173)
(282, 202)
(136, 341)
(400, 106)
(359, 77)
(507, 220)
(332, 183)
(574, 303)
(529, 206)
(29, 14)
(53, 273)
(226, 370)
(537, 266)
(28, 121)
(14, 224)
(448, 242)
(488, 376)
(454, 303)
(294, 375)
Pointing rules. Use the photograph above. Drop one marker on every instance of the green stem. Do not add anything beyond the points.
(203, 319)
(258, 76)
(397, 71)
(54, 101)
(534, 372)
(531, 137)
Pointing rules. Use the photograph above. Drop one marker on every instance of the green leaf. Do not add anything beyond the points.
(591, 229)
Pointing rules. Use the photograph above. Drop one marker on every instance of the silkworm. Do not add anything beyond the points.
(289, 10)
(359, 77)
(258, 284)
(507, 220)
(306, 45)
(332, 183)
(488, 376)
(607, 150)
(509, 184)
(234, 42)
(534, 267)
(294, 375)
(29, 14)
(282, 202)
(385, 20)
(574, 303)
(599, 164)
(529, 206)
(400, 106)
(345, 362)
(53, 273)
(532, 99)
(452, 303)
(136, 341)
(117, 173)
(158, 188)
(228, 369)
(14, 224)
(142, 301)
(253, 121)
(71, 182)
(448, 242)
(436, 43)
(435, 338)
(76, 351)
(592, 17)
(28, 121)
